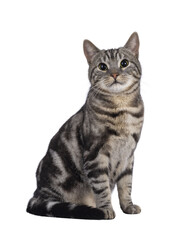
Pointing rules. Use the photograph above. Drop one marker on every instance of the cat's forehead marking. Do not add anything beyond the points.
(111, 55)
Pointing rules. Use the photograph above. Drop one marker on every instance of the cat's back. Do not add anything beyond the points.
(69, 132)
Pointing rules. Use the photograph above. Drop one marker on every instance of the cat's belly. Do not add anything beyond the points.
(120, 154)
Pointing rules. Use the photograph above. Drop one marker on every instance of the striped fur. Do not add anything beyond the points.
(94, 149)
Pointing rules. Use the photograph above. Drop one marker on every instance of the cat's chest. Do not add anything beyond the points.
(124, 123)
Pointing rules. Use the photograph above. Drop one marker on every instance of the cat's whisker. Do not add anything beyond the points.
(96, 89)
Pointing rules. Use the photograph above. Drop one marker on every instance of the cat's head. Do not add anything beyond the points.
(114, 70)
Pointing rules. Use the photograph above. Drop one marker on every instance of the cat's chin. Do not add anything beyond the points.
(116, 88)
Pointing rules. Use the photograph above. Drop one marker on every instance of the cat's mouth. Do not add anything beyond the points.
(115, 82)
(117, 85)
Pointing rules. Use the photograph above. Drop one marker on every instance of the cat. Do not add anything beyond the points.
(94, 149)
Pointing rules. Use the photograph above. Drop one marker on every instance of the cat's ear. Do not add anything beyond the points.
(133, 44)
(90, 50)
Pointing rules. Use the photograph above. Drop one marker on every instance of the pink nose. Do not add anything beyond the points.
(114, 75)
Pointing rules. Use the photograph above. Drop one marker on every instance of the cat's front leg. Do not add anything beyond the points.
(97, 171)
(124, 185)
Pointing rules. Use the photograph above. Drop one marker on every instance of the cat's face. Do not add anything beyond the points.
(115, 70)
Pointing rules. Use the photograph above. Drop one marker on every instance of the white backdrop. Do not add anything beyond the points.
(43, 77)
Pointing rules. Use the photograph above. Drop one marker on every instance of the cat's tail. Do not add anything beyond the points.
(63, 210)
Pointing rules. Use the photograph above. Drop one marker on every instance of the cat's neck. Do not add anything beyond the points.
(114, 101)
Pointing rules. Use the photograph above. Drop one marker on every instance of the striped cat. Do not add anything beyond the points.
(94, 149)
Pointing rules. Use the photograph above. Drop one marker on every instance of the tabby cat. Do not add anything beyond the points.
(94, 149)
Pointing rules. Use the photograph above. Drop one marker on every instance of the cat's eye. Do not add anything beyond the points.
(103, 67)
(124, 63)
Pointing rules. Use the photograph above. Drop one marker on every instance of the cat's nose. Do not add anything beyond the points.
(114, 75)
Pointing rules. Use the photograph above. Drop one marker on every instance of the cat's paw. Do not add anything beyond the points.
(108, 213)
(132, 209)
